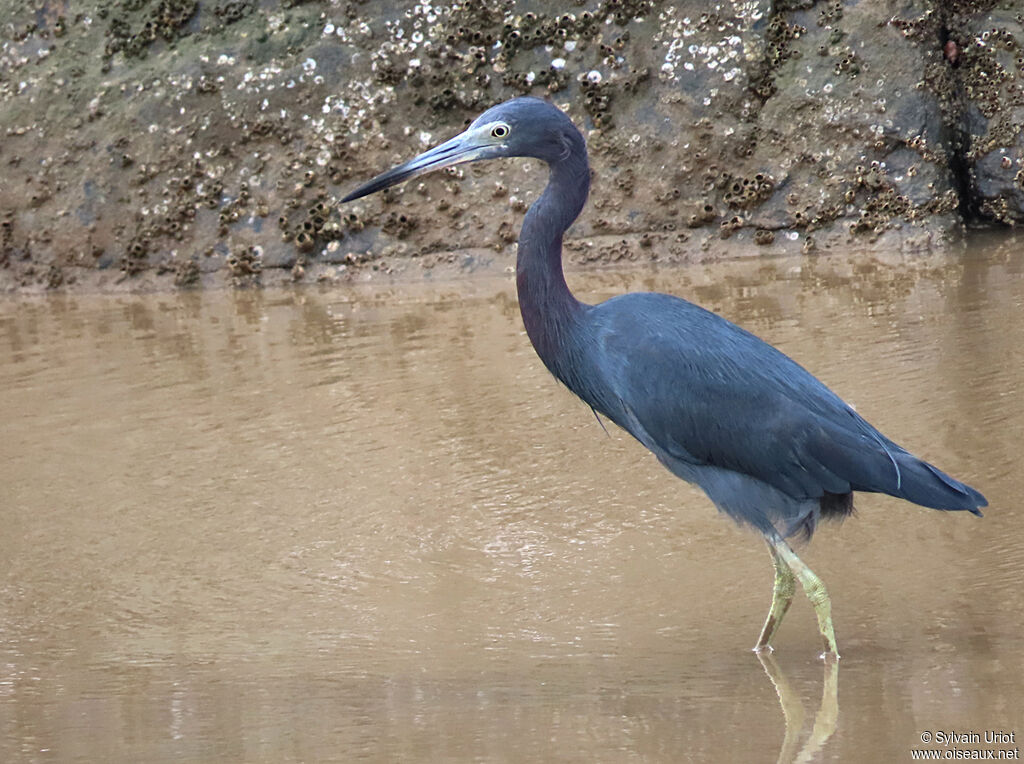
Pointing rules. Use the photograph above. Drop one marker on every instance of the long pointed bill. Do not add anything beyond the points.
(475, 143)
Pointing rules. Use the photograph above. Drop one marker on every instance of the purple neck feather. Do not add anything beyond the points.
(548, 308)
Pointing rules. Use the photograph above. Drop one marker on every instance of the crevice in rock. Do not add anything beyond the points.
(955, 116)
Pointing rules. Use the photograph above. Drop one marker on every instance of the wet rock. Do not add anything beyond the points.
(859, 130)
(139, 130)
(989, 38)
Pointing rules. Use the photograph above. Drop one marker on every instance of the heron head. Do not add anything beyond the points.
(522, 127)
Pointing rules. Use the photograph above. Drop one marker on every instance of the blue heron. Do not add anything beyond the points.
(770, 445)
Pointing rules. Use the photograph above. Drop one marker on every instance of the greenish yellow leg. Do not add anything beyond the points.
(782, 596)
(816, 593)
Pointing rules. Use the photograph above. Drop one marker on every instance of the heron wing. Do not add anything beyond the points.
(700, 389)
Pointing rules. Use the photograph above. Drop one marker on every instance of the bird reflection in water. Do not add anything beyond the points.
(825, 720)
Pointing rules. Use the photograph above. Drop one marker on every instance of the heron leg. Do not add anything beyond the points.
(782, 596)
(816, 593)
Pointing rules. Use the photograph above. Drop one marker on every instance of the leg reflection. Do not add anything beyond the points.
(793, 710)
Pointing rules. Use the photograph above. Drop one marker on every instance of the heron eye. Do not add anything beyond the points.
(500, 131)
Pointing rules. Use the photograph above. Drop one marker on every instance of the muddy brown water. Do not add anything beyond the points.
(365, 524)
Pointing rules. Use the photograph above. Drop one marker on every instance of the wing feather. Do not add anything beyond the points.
(708, 393)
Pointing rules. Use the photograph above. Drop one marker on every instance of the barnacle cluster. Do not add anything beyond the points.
(879, 210)
(848, 64)
(831, 13)
(186, 273)
(990, 74)
(456, 69)
(316, 226)
(919, 28)
(6, 236)
(597, 98)
(778, 49)
(747, 192)
(233, 210)
(730, 225)
(231, 11)
(134, 258)
(399, 224)
(166, 20)
(245, 265)
(984, 75)
(882, 205)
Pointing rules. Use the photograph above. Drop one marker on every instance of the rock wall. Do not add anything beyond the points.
(159, 142)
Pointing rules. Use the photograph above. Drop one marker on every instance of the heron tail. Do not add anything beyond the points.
(929, 486)
(884, 467)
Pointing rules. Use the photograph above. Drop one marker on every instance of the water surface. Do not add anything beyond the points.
(367, 524)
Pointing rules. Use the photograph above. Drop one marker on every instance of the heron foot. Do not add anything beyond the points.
(786, 561)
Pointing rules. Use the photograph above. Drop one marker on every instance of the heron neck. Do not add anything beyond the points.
(547, 306)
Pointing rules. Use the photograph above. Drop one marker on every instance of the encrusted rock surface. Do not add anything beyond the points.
(186, 142)
(989, 40)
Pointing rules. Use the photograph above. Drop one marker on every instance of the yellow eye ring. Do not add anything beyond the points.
(500, 131)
